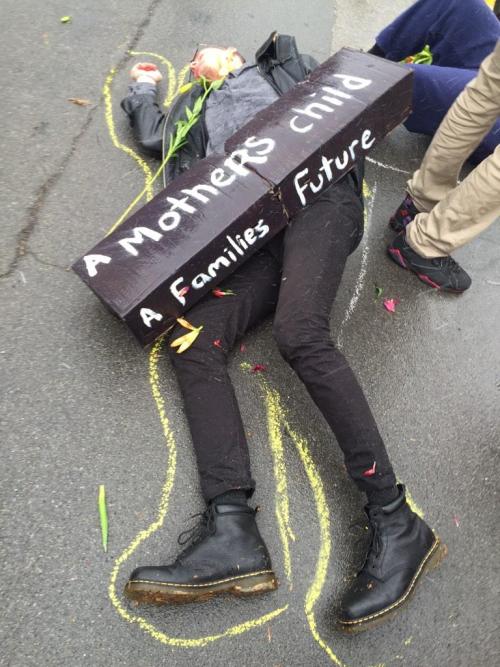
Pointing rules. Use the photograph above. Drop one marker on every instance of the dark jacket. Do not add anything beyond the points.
(278, 60)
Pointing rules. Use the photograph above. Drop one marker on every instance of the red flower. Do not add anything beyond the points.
(220, 293)
(371, 471)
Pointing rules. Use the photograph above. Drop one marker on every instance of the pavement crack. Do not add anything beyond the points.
(50, 182)
(46, 262)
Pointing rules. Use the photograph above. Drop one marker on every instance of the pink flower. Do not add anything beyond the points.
(390, 305)
(213, 63)
(184, 291)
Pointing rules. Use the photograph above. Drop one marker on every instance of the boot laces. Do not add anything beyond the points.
(204, 527)
(375, 546)
(376, 542)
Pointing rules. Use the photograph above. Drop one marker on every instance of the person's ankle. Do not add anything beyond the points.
(231, 497)
(382, 497)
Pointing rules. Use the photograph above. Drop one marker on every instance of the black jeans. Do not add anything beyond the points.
(299, 287)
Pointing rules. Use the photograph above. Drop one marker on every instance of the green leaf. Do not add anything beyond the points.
(378, 292)
(198, 105)
(65, 19)
(103, 516)
(189, 113)
(217, 84)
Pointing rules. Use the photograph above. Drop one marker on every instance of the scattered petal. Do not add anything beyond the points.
(243, 348)
(184, 342)
(269, 633)
(220, 293)
(218, 343)
(259, 368)
(456, 521)
(65, 19)
(371, 471)
(184, 291)
(390, 305)
(187, 86)
(79, 101)
(408, 641)
(184, 323)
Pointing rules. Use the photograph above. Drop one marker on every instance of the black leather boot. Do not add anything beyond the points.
(226, 555)
(402, 549)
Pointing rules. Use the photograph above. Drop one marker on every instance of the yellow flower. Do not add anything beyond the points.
(184, 342)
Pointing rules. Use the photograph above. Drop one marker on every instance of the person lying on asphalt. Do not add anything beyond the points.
(295, 278)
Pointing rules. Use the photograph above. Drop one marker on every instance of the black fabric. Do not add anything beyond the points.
(231, 498)
(300, 289)
(376, 51)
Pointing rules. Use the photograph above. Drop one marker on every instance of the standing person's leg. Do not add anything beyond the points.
(446, 217)
(460, 33)
(468, 120)
(226, 553)
(317, 244)
(435, 89)
(465, 212)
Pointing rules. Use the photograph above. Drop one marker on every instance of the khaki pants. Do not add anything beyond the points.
(454, 214)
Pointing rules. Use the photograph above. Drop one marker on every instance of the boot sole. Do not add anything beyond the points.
(435, 556)
(158, 593)
(398, 258)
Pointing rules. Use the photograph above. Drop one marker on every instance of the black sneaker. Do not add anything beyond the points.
(404, 215)
(226, 554)
(438, 272)
(403, 548)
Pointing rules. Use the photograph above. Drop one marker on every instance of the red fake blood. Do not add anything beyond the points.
(371, 471)
(147, 68)
(259, 368)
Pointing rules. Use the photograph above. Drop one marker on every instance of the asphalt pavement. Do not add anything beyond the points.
(84, 405)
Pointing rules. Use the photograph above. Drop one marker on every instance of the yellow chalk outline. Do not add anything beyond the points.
(315, 589)
(108, 113)
(276, 418)
(282, 503)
